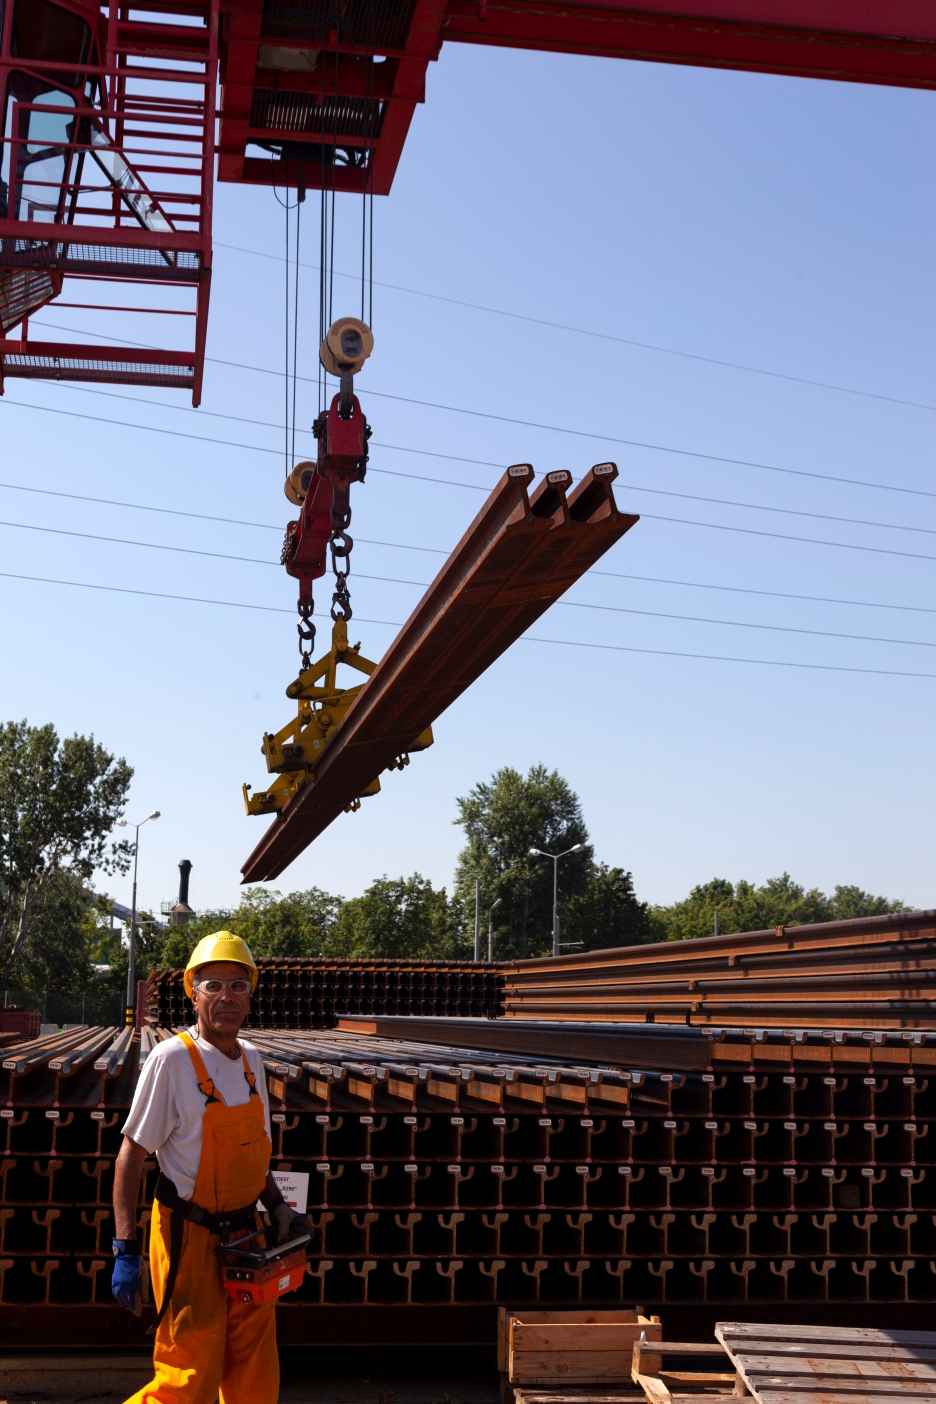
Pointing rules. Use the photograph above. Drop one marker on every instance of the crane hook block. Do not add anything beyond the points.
(342, 442)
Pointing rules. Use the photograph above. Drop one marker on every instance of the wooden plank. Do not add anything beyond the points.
(789, 1396)
(743, 1332)
(578, 1396)
(577, 1336)
(655, 1391)
(707, 1398)
(661, 1347)
(844, 1385)
(576, 1317)
(502, 1338)
(821, 1365)
(779, 1352)
(544, 1365)
(696, 1377)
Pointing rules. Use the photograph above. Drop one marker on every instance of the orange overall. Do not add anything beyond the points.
(207, 1342)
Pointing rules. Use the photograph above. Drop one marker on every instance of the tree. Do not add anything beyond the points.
(849, 902)
(398, 917)
(58, 954)
(780, 902)
(299, 924)
(59, 801)
(606, 913)
(503, 819)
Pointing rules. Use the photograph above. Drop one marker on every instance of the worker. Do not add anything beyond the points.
(201, 1105)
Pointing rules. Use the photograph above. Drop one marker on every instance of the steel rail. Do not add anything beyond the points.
(795, 964)
(861, 930)
(492, 586)
(855, 985)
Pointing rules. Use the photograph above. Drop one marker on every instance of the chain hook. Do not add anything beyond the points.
(341, 600)
(306, 631)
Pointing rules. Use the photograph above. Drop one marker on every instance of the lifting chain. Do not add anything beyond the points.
(341, 545)
(306, 631)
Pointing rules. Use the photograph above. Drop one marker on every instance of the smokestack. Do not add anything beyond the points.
(185, 868)
(182, 912)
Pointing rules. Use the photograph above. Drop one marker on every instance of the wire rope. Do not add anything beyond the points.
(440, 551)
(526, 638)
(477, 487)
(488, 463)
(620, 340)
(423, 584)
(559, 429)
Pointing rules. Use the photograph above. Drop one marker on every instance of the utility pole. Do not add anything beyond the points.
(477, 940)
(491, 928)
(130, 1010)
(539, 853)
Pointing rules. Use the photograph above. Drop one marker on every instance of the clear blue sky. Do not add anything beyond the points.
(775, 223)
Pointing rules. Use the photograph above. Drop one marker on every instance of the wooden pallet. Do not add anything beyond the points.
(680, 1386)
(831, 1365)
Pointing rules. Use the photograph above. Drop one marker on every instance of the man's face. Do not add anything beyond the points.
(217, 1006)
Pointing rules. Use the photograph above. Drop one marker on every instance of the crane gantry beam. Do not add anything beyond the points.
(115, 185)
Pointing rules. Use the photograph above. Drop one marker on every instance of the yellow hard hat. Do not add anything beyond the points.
(220, 945)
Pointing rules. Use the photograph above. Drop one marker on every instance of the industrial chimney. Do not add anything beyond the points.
(182, 912)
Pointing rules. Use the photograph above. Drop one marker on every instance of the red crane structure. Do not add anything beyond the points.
(116, 122)
(112, 122)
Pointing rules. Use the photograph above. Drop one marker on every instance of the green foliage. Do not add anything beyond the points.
(57, 955)
(59, 802)
(299, 924)
(503, 820)
(606, 913)
(744, 907)
(398, 917)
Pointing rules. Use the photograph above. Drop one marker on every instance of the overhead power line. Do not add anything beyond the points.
(424, 584)
(608, 336)
(486, 463)
(440, 551)
(527, 638)
(551, 428)
(476, 487)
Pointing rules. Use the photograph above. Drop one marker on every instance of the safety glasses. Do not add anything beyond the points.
(215, 987)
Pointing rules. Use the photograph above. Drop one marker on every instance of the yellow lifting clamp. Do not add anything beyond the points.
(293, 753)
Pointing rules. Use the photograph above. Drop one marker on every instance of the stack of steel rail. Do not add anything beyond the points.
(310, 992)
(694, 1171)
(516, 559)
(873, 972)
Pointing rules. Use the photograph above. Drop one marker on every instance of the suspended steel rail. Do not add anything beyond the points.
(519, 555)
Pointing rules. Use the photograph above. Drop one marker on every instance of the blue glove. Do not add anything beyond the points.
(125, 1281)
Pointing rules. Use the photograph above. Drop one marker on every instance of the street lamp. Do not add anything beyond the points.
(130, 1011)
(538, 853)
(491, 928)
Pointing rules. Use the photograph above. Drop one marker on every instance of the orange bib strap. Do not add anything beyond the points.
(205, 1085)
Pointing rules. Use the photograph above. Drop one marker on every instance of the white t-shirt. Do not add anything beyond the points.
(166, 1115)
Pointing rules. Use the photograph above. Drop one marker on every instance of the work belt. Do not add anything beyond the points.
(227, 1222)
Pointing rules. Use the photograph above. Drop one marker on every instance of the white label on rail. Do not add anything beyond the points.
(294, 1187)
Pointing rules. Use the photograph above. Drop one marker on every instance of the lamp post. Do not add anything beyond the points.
(491, 928)
(130, 1011)
(538, 853)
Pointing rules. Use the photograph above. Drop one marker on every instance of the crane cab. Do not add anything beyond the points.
(46, 46)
